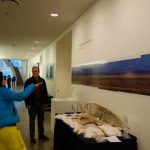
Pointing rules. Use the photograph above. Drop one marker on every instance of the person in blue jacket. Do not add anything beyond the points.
(10, 137)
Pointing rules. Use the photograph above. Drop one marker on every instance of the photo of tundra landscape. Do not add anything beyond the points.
(130, 75)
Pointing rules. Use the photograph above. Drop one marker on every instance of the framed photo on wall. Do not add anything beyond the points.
(50, 71)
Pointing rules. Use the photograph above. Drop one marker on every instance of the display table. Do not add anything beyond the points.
(66, 139)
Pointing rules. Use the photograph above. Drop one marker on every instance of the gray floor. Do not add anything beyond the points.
(24, 128)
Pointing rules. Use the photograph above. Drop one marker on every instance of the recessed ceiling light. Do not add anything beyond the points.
(54, 14)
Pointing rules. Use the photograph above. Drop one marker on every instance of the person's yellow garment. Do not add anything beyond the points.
(11, 139)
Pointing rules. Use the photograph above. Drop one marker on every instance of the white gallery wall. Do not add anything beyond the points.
(114, 30)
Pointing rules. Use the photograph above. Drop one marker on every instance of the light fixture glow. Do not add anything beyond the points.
(54, 14)
(37, 42)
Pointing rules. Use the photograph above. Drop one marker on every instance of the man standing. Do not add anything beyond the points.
(9, 81)
(35, 103)
(13, 80)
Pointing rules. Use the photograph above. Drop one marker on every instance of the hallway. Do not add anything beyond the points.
(24, 128)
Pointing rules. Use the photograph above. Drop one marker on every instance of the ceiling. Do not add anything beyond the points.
(21, 25)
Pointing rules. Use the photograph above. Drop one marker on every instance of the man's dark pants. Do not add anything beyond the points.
(36, 110)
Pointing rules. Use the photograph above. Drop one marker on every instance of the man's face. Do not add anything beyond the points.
(35, 72)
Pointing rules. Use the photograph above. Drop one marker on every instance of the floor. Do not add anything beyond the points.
(24, 128)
